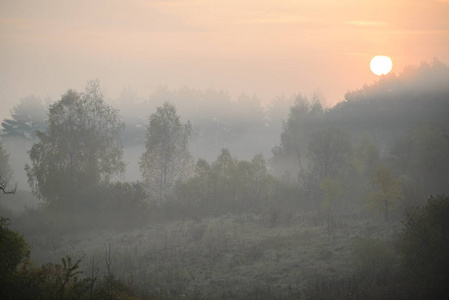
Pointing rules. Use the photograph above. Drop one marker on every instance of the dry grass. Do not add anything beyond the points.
(244, 256)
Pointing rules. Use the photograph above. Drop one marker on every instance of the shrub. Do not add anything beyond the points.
(14, 255)
(424, 246)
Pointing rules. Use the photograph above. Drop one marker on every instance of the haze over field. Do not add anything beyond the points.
(193, 149)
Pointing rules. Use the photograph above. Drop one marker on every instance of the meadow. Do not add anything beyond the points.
(248, 256)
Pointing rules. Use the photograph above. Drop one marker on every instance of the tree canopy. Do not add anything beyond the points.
(80, 149)
(167, 158)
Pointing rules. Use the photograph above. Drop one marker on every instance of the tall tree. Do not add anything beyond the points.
(167, 158)
(328, 157)
(329, 151)
(303, 117)
(225, 181)
(80, 149)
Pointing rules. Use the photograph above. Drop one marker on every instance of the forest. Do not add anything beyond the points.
(190, 194)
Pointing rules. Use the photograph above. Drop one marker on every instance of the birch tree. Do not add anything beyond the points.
(167, 159)
(80, 149)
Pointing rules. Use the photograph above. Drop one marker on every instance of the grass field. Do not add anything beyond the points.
(231, 257)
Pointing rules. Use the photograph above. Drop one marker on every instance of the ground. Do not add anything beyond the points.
(234, 256)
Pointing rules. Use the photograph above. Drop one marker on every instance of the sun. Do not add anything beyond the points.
(381, 65)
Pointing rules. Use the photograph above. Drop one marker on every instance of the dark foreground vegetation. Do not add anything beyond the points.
(249, 256)
(342, 209)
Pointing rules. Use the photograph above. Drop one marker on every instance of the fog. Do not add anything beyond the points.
(195, 194)
(223, 150)
(267, 48)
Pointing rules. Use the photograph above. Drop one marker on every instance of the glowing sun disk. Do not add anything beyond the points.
(381, 65)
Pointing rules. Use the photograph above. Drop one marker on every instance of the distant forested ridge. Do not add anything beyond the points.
(395, 103)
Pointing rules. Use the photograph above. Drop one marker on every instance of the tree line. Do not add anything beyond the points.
(371, 151)
(356, 156)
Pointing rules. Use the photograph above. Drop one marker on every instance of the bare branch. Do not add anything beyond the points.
(5, 189)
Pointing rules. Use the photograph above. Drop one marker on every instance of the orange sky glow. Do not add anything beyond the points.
(268, 48)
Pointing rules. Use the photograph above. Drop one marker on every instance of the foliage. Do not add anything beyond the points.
(213, 258)
(365, 156)
(386, 117)
(397, 102)
(240, 124)
(429, 161)
(65, 281)
(421, 155)
(424, 246)
(166, 159)
(227, 185)
(332, 191)
(62, 281)
(254, 236)
(328, 153)
(26, 118)
(80, 149)
(303, 118)
(123, 205)
(259, 178)
(329, 150)
(15, 255)
(5, 172)
(389, 191)
(112, 288)
(20, 279)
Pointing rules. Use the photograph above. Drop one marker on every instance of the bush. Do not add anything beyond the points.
(424, 247)
(14, 255)
(123, 205)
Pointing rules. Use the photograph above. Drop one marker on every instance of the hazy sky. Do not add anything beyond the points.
(269, 47)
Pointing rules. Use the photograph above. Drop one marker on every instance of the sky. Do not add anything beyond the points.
(267, 48)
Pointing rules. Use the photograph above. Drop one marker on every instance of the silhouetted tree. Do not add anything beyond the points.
(80, 149)
(259, 178)
(394, 103)
(290, 154)
(328, 156)
(329, 151)
(167, 158)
